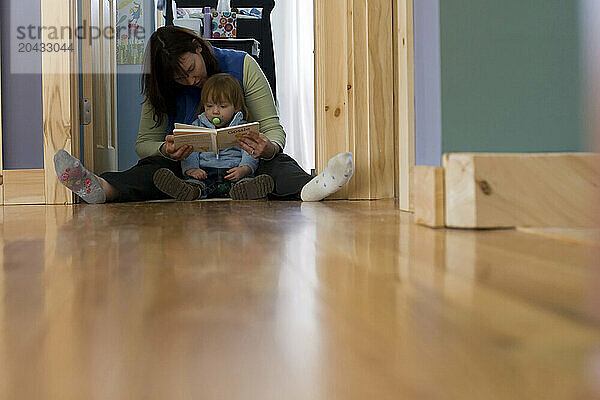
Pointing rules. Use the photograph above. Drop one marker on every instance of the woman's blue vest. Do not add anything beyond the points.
(188, 97)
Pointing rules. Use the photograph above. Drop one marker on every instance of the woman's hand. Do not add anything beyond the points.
(168, 149)
(258, 145)
(237, 173)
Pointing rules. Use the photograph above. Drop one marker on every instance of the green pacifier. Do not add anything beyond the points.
(216, 120)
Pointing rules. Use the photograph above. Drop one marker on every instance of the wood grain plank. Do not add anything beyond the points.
(361, 99)
(507, 190)
(585, 236)
(24, 186)
(429, 196)
(331, 54)
(56, 99)
(404, 102)
(381, 104)
(75, 112)
(459, 190)
(332, 304)
(354, 93)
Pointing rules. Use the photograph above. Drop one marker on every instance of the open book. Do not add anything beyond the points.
(207, 139)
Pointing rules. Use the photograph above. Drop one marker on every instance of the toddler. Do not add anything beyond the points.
(231, 173)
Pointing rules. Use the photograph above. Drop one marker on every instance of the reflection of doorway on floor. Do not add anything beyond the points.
(293, 43)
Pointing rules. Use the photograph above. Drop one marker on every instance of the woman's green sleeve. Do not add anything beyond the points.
(150, 137)
(260, 103)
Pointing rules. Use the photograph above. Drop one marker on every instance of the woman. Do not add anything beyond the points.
(177, 63)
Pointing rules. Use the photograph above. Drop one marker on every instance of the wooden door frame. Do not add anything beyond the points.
(59, 114)
(25, 186)
(348, 76)
(404, 102)
(60, 98)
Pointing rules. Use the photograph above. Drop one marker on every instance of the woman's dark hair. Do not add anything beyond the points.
(161, 63)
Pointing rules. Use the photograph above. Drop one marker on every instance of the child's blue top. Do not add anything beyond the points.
(228, 158)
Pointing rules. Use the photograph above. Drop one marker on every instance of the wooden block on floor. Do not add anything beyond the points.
(429, 196)
(494, 190)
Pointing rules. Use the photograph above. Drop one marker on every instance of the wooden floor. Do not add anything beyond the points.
(284, 300)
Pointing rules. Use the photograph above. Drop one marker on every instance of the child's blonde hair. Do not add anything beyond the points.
(224, 88)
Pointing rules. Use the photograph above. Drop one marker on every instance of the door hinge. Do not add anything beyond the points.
(85, 111)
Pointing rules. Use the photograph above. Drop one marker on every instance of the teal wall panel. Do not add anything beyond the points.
(511, 76)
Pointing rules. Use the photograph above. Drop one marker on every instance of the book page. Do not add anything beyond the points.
(201, 141)
(178, 125)
(227, 137)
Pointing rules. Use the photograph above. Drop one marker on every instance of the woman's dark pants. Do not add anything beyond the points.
(136, 183)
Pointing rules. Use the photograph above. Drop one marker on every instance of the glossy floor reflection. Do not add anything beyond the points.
(286, 300)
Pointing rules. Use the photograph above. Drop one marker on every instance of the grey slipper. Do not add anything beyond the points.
(167, 182)
(252, 188)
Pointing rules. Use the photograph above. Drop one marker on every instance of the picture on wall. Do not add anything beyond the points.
(131, 32)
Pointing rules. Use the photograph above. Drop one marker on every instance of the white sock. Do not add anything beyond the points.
(338, 172)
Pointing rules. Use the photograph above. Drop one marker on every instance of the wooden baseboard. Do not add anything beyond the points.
(584, 236)
(428, 190)
(507, 190)
(24, 186)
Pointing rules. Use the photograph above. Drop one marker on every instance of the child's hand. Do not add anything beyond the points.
(197, 173)
(237, 173)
